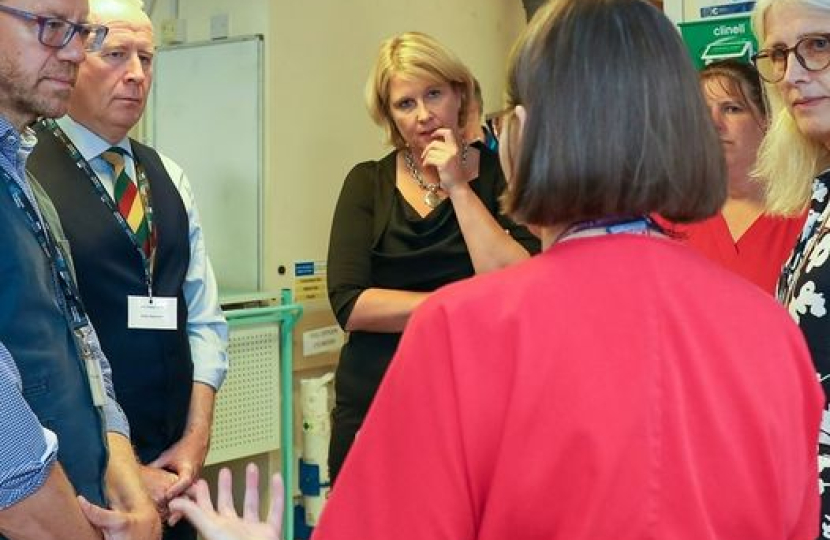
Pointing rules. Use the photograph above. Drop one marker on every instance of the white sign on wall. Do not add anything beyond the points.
(322, 340)
(719, 8)
(694, 10)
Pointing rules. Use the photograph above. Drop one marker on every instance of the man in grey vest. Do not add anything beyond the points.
(64, 378)
(139, 254)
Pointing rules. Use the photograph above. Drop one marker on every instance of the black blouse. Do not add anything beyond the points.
(379, 240)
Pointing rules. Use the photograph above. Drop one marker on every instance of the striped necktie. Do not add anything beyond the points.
(126, 197)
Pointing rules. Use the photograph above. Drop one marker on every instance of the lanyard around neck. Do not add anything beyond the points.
(617, 225)
(70, 297)
(143, 192)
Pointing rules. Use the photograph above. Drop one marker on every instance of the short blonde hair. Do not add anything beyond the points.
(788, 160)
(414, 55)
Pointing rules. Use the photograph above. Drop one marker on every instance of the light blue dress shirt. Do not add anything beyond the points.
(207, 329)
(27, 450)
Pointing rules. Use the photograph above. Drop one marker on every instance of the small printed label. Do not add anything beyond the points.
(322, 340)
(310, 281)
(728, 9)
(304, 269)
(157, 313)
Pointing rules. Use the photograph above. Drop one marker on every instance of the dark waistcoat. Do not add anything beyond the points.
(152, 369)
(34, 329)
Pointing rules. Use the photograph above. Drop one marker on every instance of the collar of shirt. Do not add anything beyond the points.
(15, 148)
(91, 146)
(9, 142)
(28, 140)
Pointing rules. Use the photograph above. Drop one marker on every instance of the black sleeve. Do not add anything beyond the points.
(348, 267)
(521, 234)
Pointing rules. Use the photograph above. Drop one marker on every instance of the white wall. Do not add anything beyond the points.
(674, 10)
(246, 17)
(318, 55)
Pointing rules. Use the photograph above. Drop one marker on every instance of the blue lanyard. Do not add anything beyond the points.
(70, 298)
(615, 225)
(143, 191)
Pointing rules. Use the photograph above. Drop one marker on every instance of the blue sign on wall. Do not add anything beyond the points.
(304, 268)
(726, 9)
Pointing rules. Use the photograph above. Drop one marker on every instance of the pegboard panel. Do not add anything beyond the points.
(246, 420)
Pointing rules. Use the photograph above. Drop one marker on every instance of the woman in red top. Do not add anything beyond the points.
(741, 237)
(618, 385)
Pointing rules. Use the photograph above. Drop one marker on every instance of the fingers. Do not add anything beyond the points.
(197, 508)
(195, 513)
(197, 495)
(161, 461)
(157, 483)
(277, 500)
(250, 505)
(443, 144)
(447, 156)
(174, 517)
(184, 506)
(224, 493)
(200, 492)
(185, 479)
(100, 517)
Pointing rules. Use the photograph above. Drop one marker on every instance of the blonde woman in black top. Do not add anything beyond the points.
(425, 215)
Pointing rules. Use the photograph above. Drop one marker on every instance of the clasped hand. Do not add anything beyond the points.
(141, 523)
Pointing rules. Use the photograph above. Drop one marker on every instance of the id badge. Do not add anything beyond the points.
(156, 313)
(94, 375)
(96, 381)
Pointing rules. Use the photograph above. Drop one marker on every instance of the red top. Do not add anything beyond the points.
(758, 255)
(612, 387)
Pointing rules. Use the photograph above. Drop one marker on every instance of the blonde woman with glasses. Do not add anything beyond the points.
(794, 161)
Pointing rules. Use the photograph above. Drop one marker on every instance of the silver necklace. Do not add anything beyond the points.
(431, 197)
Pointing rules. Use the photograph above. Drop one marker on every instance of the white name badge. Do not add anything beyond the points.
(156, 313)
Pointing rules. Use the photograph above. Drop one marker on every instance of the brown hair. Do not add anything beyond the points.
(741, 81)
(416, 55)
(616, 123)
(477, 97)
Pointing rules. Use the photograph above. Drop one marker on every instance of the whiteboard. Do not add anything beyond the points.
(205, 113)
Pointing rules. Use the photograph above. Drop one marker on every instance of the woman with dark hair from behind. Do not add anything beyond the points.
(617, 385)
(741, 237)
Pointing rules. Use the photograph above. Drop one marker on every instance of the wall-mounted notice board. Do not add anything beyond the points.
(205, 113)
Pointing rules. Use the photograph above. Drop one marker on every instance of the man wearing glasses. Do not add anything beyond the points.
(65, 380)
(139, 252)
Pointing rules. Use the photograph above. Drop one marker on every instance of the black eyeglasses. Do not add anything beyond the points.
(56, 32)
(812, 52)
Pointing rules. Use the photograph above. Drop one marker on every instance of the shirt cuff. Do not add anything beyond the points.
(115, 418)
(23, 480)
(210, 359)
